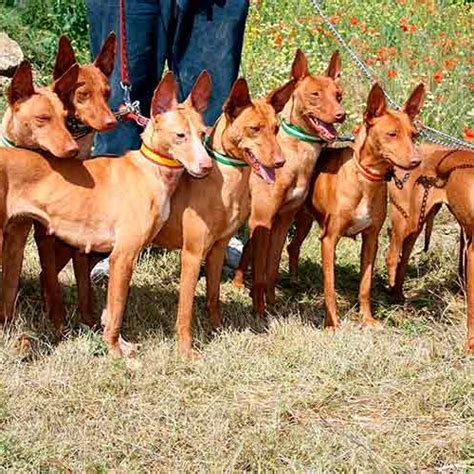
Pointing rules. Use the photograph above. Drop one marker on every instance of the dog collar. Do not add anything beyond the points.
(7, 143)
(297, 132)
(158, 158)
(77, 128)
(374, 177)
(221, 158)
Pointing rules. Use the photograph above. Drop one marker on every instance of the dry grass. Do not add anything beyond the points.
(288, 397)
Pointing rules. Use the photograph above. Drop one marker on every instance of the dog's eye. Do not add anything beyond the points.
(393, 133)
(42, 120)
(180, 135)
(83, 95)
(315, 94)
(255, 129)
(339, 97)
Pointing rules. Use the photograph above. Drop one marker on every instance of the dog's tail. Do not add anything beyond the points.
(452, 160)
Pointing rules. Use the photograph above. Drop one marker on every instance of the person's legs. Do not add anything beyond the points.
(146, 24)
(209, 35)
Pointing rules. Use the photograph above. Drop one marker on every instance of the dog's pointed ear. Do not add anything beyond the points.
(65, 57)
(21, 86)
(164, 97)
(201, 92)
(105, 60)
(66, 84)
(414, 103)
(299, 68)
(238, 100)
(279, 97)
(376, 105)
(334, 68)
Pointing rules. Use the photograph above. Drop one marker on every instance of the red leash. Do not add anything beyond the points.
(130, 110)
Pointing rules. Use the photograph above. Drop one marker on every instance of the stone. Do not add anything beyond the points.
(11, 55)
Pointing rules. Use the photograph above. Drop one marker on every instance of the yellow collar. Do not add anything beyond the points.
(158, 159)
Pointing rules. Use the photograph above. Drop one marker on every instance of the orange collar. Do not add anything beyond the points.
(374, 177)
(158, 158)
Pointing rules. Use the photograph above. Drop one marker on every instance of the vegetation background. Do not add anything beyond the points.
(283, 396)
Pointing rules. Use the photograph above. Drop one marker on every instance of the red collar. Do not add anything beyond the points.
(373, 177)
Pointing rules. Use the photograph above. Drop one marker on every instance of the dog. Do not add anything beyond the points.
(87, 113)
(105, 204)
(35, 117)
(445, 177)
(349, 193)
(306, 127)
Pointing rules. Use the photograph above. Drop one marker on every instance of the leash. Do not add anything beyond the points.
(399, 183)
(430, 134)
(221, 158)
(130, 110)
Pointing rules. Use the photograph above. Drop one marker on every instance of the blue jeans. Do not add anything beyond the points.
(191, 35)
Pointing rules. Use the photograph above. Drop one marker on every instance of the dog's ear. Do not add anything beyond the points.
(376, 105)
(164, 97)
(299, 68)
(66, 83)
(105, 60)
(279, 97)
(334, 68)
(21, 86)
(65, 57)
(414, 103)
(201, 92)
(238, 100)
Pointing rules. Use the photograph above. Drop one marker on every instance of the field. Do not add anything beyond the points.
(281, 396)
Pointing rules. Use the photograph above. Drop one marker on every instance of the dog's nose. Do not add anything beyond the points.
(110, 123)
(279, 162)
(415, 161)
(71, 150)
(340, 116)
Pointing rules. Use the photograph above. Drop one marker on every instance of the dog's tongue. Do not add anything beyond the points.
(268, 174)
(325, 130)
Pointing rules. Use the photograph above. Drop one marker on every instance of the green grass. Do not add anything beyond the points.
(285, 396)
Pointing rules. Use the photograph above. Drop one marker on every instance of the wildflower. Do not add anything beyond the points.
(412, 28)
(354, 21)
(279, 40)
(392, 73)
(404, 23)
(438, 77)
(469, 134)
(335, 19)
(370, 61)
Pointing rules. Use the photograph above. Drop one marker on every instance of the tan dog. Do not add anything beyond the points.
(350, 192)
(446, 176)
(88, 112)
(307, 125)
(106, 204)
(35, 117)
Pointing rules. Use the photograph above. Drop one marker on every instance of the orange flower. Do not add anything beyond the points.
(356, 130)
(469, 134)
(353, 21)
(279, 40)
(438, 77)
(370, 61)
(404, 23)
(412, 28)
(392, 73)
(335, 19)
(450, 63)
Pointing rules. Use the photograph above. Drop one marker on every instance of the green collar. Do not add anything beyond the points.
(224, 159)
(7, 143)
(299, 133)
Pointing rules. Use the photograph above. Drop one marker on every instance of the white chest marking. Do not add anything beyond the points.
(360, 219)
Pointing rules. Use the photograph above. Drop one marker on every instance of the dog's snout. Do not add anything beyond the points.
(415, 161)
(71, 150)
(110, 123)
(340, 116)
(279, 161)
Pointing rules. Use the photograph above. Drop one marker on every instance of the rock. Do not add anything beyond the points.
(11, 55)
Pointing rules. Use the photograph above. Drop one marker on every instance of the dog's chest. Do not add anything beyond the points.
(361, 218)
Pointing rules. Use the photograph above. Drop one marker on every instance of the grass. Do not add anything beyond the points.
(285, 396)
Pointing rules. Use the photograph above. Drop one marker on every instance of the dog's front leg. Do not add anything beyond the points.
(122, 263)
(190, 265)
(260, 243)
(368, 254)
(14, 241)
(328, 250)
(214, 264)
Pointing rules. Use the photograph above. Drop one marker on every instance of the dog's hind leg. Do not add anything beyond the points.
(470, 297)
(14, 242)
(239, 275)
